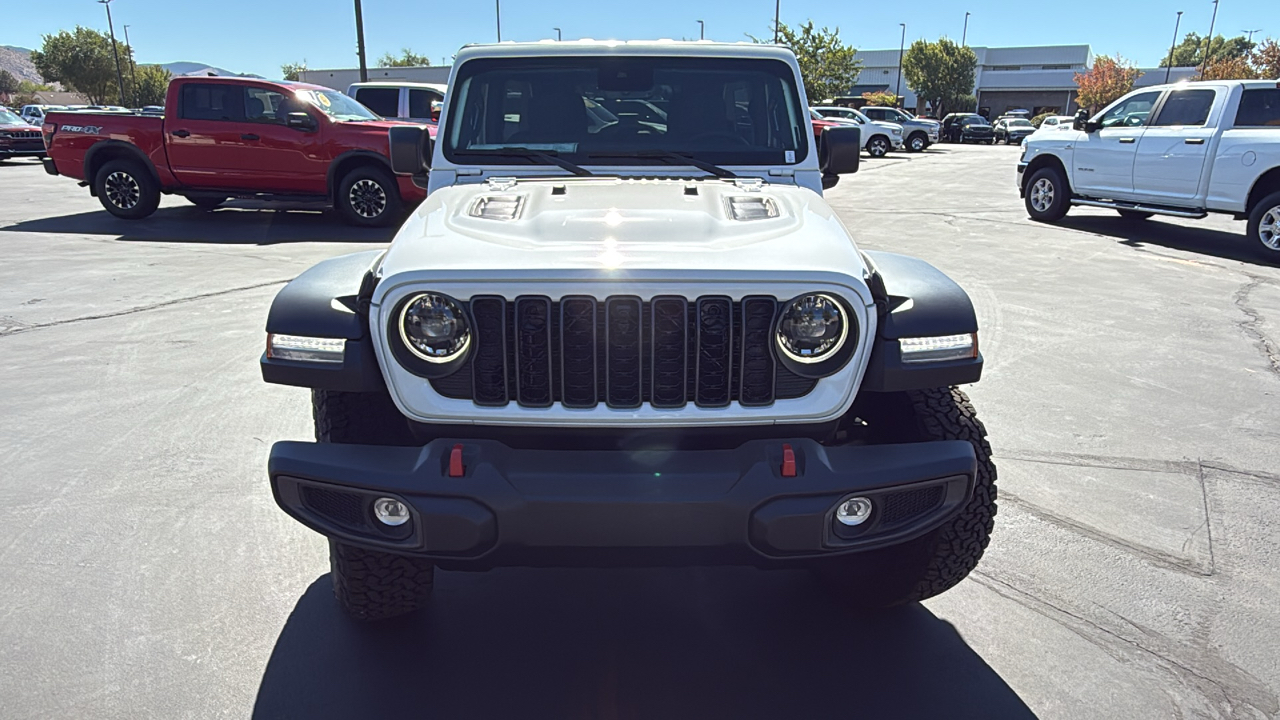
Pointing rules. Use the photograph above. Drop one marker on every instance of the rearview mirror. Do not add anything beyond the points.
(839, 152)
(300, 121)
(410, 149)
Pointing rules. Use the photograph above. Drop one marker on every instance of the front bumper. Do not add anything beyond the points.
(897, 142)
(688, 507)
(49, 166)
(1022, 170)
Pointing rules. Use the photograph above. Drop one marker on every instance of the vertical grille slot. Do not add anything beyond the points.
(755, 385)
(489, 366)
(578, 352)
(622, 352)
(533, 351)
(670, 366)
(715, 351)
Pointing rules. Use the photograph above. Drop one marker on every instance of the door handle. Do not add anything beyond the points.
(180, 133)
(1194, 141)
(249, 136)
(1128, 141)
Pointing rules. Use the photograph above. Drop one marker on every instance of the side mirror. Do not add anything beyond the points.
(411, 149)
(839, 153)
(1082, 121)
(300, 121)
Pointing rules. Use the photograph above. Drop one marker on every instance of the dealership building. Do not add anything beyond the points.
(1039, 79)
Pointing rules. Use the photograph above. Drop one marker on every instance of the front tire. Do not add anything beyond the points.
(369, 197)
(1264, 228)
(370, 584)
(878, 146)
(931, 565)
(1047, 195)
(126, 189)
(917, 142)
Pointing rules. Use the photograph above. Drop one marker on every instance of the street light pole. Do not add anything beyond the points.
(558, 36)
(364, 69)
(897, 92)
(497, 14)
(114, 51)
(702, 30)
(1169, 64)
(133, 65)
(965, 35)
(1209, 40)
(777, 12)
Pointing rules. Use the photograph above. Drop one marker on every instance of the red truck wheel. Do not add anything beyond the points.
(368, 196)
(127, 190)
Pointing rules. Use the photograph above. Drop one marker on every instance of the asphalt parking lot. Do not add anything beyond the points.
(1131, 392)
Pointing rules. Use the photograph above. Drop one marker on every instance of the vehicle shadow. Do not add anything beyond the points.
(628, 643)
(243, 222)
(1139, 233)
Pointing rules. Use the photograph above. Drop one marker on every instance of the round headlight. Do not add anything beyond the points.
(434, 328)
(811, 328)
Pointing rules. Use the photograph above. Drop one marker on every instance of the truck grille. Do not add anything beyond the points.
(624, 352)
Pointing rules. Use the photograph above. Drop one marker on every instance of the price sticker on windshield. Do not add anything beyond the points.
(789, 156)
(323, 100)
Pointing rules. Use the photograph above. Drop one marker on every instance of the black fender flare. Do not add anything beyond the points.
(92, 164)
(332, 178)
(915, 299)
(329, 300)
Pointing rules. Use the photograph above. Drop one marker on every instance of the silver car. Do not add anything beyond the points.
(919, 133)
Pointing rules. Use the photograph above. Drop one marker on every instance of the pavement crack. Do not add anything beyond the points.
(1251, 326)
(7, 331)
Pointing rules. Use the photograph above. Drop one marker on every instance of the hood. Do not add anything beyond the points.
(620, 229)
(17, 126)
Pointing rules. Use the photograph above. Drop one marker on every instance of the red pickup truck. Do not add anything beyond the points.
(233, 137)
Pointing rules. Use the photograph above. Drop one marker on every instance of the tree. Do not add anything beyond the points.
(8, 83)
(1266, 59)
(408, 58)
(942, 74)
(828, 67)
(153, 83)
(81, 61)
(1190, 52)
(1236, 68)
(881, 98)
(293, 71)
(1108, 79)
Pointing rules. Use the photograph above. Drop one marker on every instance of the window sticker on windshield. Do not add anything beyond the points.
(323, 100)
(789, 156)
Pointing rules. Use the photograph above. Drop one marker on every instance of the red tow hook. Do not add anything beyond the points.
(788, 461)
(456, 468)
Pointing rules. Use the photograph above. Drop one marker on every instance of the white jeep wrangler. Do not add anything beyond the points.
(625, 328)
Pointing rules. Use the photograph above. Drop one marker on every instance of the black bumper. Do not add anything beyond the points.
(546, 507)
(49, 167)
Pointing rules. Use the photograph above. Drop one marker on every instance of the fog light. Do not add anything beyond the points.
(390, 511)
(853, 511)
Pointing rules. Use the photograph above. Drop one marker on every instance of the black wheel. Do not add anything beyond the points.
(368, 196)
(1264, 227)
(878, 146)
(917, 142)
(938, 561)
(126, 189)
(206, 202)
(1047, 195)
(1134, 214)
(370, 584)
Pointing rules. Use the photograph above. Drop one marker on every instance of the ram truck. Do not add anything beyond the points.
(1183, 150)
(233, 137)
(644, 342)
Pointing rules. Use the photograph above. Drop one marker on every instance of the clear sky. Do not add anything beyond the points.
(258, 36)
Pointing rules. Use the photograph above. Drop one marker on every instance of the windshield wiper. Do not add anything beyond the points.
(671, 156)
(548, 157)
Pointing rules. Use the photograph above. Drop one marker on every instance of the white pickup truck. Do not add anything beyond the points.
(1184, 150)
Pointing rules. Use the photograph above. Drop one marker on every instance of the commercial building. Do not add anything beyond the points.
(1039, 79)
(341, 79)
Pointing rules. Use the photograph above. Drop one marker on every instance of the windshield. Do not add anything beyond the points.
(336, 105)
(1020, 123)
(619, 110)
(8, 118)
(974, 121)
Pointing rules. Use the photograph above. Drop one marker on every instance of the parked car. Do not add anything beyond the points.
(17, 138)
(1183, 150)
(683, 359)
(235, 137)
(34, 114)
(919, 133)
(967, 127)
(878, 137)
(1057, 122)
(396, 100)
(1012, 130)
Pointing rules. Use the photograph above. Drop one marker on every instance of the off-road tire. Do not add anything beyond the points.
(937, 562)
(369, 197)
(878, 146)
(918, 142)
(369, 584)
(1134, 214)
(206, 203)
(1269, 208)
(1059, 202)
(126, 189)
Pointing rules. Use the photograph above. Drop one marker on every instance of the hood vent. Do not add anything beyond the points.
(497, 207)
(751, 207)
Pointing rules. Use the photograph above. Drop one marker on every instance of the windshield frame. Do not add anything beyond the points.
(794, 108)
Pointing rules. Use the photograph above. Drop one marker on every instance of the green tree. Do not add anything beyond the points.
(82, 61)
(8, 83)
(153, 83)
(1105, 82)
(881, 98)
(408, 58)
(942, 74)
(292, 71)
(1190, 52)
(828, 67)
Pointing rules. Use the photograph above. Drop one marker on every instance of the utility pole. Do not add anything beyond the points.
(558, 37)
(1169, 64)
(965, 35)
(114, 51)
(364, 69)
(1208, 45)
(497, 13)
(702, 30)
(897, 92)
(133, 65)
(777, 13)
